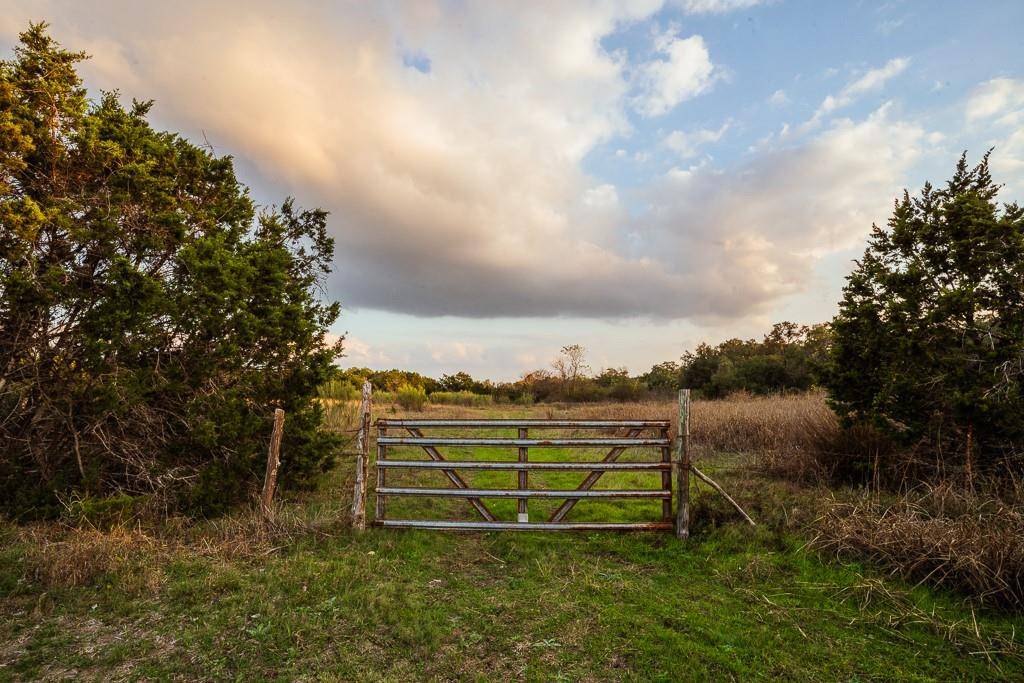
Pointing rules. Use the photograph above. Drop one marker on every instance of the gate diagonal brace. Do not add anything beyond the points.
(592, 478)
(455, 479)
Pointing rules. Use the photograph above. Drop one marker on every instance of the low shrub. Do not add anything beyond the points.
(411, 398)
(627, 390)
(61, 557)
(461, 398)
(384, 397)
(106, 513)
(339, 390)
(525, 399)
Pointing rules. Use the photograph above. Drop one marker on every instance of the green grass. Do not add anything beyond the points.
(731, 603)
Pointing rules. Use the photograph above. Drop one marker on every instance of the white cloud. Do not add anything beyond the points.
(874, 79)
(359, 353)
(688, 145)
(997, 97)
(999, 105)
(778, 98)
(456, 352)
(888, 26)
(601, 197)
(1008, 156)
(752, 235)
(682, 70)
(715, 6)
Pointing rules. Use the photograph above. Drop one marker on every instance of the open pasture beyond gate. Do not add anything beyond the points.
(308, 598)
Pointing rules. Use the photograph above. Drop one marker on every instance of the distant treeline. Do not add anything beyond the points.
(789, 358)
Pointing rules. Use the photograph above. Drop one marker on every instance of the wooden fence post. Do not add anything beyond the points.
(362, 458)
(273, 465)
(683, 467)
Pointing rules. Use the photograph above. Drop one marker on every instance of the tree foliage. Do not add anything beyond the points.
(788, 358)
(929, 340)
(348, 382)
(150, 320)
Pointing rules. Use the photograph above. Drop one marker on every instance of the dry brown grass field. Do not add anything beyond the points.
(739, 423)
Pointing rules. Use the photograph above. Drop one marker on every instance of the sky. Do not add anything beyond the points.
(505, 178)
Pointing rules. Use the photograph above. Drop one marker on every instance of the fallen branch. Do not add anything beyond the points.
(708, 480)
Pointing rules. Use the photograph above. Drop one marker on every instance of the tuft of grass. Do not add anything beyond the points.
(58, 556)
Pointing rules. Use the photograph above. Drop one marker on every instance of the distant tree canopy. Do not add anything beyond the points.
(462, 381)
(349, 381)
(789, 358)
(150, 321)
(929, 339)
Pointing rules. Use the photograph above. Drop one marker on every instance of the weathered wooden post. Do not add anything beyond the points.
(362, 458)
(273, 465)
(683, 467)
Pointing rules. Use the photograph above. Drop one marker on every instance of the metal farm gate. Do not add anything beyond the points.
(636, 434)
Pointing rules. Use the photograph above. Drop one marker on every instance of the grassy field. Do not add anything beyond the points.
(309, 599)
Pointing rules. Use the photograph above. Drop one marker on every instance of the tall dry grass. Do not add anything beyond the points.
(62, 554)
(939, 534)
(741, 423)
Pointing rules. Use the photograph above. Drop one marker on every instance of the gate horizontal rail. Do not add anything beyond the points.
(525, 493)
(513, 424)
(614, 447)
(525, 526)
(510, 465)
(522, 443)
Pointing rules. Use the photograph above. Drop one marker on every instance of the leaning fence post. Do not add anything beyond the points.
(362, 458)
(273, 465)
(683, 466)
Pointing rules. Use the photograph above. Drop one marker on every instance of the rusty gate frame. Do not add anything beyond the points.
(523, 465)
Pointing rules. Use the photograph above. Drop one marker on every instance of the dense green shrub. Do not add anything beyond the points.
(789, 358)
(929, 340)
(411, 398)
(150, 320)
